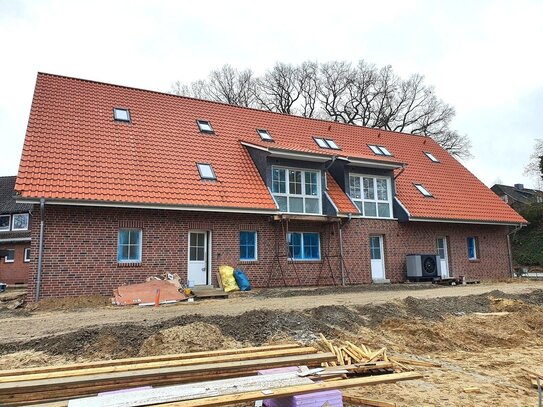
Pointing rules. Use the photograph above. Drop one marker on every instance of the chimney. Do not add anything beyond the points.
(520, 187)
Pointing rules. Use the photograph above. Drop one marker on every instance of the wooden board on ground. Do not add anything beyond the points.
(208, 292)
(364, 401)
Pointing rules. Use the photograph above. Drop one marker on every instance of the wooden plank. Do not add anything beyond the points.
(415, 362)
(117, 362)
(293, 390)
(162, 364)
(153, 374)
(192, 391)
(363, 401)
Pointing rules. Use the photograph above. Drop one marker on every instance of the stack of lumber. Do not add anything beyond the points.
(188, 379)
(363, 357)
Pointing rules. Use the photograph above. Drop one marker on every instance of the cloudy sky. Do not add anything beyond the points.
(483, 57)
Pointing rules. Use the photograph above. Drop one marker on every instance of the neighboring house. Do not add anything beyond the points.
(517, 196)
(15, 222)
(136, 183)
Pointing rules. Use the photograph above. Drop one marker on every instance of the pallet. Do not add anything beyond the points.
(208, 292)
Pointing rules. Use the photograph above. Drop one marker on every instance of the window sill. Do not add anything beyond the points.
(9, 261)
(248, 261)
(129, 264)
(304, 261)
(474, 260)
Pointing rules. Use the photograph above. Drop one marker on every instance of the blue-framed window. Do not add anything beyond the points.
(304, 246)
(247, 246)
(129, 246)
(472, 248)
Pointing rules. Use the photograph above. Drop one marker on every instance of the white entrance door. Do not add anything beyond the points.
(197, 270)
(443, 256)
(377, 258)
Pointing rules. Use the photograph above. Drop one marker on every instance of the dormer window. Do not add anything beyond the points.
(423, 190)
(431, 157)
(264, 134)
(121, 115)
(326, 143)
(206, 171)
(380, 150)
(20, 221)
(205, 126)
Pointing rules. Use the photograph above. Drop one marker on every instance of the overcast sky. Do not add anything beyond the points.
(483, 57)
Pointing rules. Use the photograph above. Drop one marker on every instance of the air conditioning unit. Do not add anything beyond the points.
(422, 267)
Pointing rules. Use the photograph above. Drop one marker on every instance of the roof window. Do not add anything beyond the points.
(380, 150)
(264, 134)
(121, 115)
(431, 157)
(326, 143)
(206, 171)
(205, 126)
(423, 190)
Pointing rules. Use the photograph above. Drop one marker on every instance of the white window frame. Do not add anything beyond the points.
(119, 119)
(26, 257)
(256, 245)
(130, 261)
(302, 245)
(423, 190)
(6, 229)
(264, 134)
(13, 221)
(376, 201)
(6, 258)
(326, 143)
(303, 195)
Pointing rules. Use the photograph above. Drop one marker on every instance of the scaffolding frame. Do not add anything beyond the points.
(328, 227)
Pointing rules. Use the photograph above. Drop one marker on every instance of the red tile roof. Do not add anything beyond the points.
(341, 200)
(74, 150)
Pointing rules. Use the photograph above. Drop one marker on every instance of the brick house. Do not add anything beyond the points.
(15, 225)
(129, 183)
(517, 196)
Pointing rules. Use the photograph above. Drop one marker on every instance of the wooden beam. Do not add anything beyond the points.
(159, 358)
(162, 364)
(154, 375)
(293, 390)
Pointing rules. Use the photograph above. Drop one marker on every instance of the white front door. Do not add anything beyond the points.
(377, 258)
(443, 256)
(198, 264)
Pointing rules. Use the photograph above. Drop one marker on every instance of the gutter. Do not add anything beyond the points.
(509, 249)
(40, 249)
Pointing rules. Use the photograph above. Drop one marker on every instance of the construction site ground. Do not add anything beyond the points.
(482, 335)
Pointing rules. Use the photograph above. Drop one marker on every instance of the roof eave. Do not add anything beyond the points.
(467, 221)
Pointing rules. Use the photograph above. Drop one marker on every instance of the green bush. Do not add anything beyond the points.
(527, 244)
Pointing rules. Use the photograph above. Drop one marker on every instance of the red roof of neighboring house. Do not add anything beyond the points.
(74, 150)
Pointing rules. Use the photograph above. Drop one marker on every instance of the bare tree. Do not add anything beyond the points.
(361, 94)
(534, 168)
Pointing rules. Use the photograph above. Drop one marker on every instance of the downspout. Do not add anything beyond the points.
(342, 262)
(509, 250)
(40, 249)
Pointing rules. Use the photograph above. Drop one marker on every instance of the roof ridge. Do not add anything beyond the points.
(233, 106)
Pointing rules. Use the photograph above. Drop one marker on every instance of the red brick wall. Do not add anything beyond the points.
(81, 248)
(16, 272)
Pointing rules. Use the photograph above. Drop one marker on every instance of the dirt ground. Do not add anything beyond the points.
(447, 325)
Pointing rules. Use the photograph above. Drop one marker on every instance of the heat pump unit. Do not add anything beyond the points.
(422, 267)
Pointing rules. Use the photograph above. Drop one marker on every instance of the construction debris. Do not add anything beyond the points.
(148, 293)
(209, 373)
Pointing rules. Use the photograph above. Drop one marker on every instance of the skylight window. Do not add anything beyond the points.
(121, 115)
(332, 144)
(423, 190)
(380, 150)
(205, 126)
(264, 134)
(431, 157)
(206, 171)
(326, 143)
